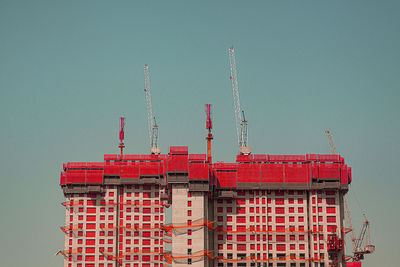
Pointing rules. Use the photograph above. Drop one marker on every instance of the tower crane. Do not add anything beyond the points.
(361, 244)
(153, 127)
(209, 128)
(241, 122)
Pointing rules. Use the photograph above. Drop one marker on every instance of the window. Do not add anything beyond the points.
(330, 201)
(281, 247)
(241, 219)
(189, 213)
(280, 238)
(330, 210)
(280, 210)
(189, 242)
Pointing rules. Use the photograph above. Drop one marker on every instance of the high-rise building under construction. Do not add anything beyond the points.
(263, 210)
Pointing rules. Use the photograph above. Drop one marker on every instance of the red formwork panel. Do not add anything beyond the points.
(112, 168)
(260, 158)
(197, 157)
(178, 150)
(329, 158)
(329, 170)
(94, 176)
(272, 173)
(248, 173)
(131, 157)
(276, 158)
(94, 165)
(198, 171)
(225, 178)
(314, 170)
(297, 173)
(312, 157)
(151, 168)
(130, 169)
(75, 176)
(341, 159)
(294, 158)
(354, 264)
(343, 174)
(111, 157)
(349, 174)
(76, 165)
(62, 178)
(149, 157)
(244, 158)
(178, 163)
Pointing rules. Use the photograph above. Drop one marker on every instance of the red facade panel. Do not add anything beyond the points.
(354, 264)
(112, 169)
(131, 157)
(260, 158)
(198, 171)
(248, 173)
(297, 173)
(111, 157)
(343, 174)
(94, 176)
(272, 173)
(329, 171)
(178, 163)
(197, 157)
(226, 179)
(178, 150)
(329, 158)
(151, 168)
(130, 169)
(294, 158)
(244, 158)
(62, 178)
(276, 158)
(75, 176)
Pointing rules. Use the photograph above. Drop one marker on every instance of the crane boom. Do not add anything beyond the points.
(241, 122)
(331, 143)
(153, 127)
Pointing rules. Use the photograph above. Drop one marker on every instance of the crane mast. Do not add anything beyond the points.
(153, 127)
(331, 143)
(361, 245)
(241, 122)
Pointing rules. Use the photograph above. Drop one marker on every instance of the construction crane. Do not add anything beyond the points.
(331, 143)
(241, 122)
(121, 135)
(209, 137)
(362, 243)
(153, 127)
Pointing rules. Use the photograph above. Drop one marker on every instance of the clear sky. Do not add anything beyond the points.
(69, 69)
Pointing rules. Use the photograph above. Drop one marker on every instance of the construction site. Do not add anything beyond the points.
(262, 210)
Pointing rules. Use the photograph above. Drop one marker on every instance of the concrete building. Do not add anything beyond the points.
(263, 210)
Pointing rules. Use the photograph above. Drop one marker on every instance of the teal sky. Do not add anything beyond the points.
(69, 69)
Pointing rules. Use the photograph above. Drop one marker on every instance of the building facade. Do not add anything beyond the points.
(263, 210)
